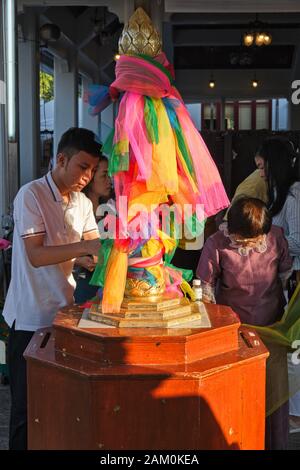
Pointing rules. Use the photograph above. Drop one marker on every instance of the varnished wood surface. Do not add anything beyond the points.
(216, 403)
(91, 394)
(246, 351)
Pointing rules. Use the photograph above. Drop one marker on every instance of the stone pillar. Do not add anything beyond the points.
(84, 118)
(3, 134)
(107, 121)
(65, 96)
(29, 99)
(9, 111)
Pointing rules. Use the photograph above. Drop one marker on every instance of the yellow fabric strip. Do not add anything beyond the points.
(164, 166)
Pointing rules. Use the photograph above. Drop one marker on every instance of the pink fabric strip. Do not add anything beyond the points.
(145, 262)
(139, 76)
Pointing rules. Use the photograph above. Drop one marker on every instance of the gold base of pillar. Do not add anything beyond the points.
(169, 311)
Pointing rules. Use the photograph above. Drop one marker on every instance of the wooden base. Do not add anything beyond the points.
(141, 388)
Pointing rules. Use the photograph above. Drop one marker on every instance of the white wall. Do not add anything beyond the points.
(47, 115)
(107, 121)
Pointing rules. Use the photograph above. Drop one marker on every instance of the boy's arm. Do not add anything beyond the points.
(93, 235)
(40, 255)
(86, 261)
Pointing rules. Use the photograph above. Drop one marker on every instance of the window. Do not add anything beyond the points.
(245, 114)
(262, 115)
(46, 110)
(229, 116)
(209, 116)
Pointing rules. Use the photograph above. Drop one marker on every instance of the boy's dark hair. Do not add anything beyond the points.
(249, 218)
(78, 139)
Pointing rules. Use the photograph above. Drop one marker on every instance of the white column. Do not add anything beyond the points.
(107, 121)
(9, 170)
(85, 119)
(65, 96)
(29, 101)
(276, 114)
(3, 135)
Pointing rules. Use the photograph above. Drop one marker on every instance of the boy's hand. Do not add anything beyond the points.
(92, 247)
(43, 255)
(86, 262)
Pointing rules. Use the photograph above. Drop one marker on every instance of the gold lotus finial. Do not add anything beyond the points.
(139, 36)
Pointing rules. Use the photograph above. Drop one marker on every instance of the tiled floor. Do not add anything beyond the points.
(294, 440)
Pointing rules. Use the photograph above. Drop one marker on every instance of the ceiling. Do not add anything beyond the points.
(233, 57)
(196, 41)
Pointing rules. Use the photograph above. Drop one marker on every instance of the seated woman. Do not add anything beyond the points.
(99, 191)
(244, 265)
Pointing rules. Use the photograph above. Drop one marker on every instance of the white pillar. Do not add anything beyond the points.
(9, 112)
(29, 101)
(85, 119)
(107, 121)
(3, 135)
(276, 114)
(65, 96)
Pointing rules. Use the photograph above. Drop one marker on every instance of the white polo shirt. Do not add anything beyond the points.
(35, 294)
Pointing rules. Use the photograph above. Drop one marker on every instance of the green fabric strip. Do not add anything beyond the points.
(98, 277)
(118, 163)
(156, 64)
(184, 150)
(151, 121)
(187, 274)
(194, 226)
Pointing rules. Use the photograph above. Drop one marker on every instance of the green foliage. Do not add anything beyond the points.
(46, 86)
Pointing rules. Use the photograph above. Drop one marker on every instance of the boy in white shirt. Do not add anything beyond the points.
(54, 224)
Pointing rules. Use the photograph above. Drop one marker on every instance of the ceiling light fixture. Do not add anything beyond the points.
(212, 83)
(49, 32)
(257, 34)
(255, 82)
